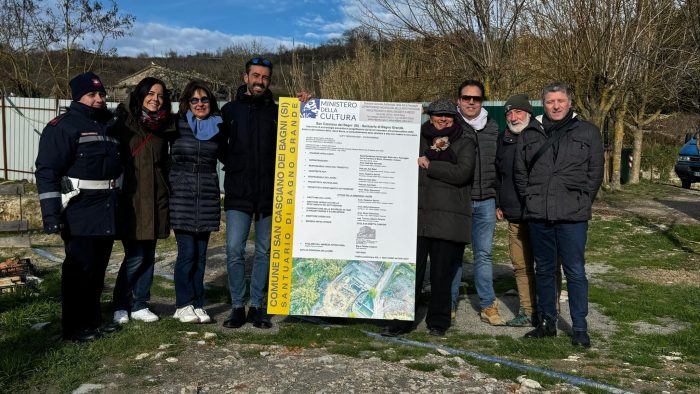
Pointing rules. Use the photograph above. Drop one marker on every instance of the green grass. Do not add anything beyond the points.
(623, 243)
(642, 190)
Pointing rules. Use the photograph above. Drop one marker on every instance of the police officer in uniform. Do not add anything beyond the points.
(79, 157)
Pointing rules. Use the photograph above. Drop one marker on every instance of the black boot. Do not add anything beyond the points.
(236, 319)
(259, 317)
(581, 338)
(396, 328)
(547, 327)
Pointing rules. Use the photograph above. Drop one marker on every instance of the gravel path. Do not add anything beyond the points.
(208, 366)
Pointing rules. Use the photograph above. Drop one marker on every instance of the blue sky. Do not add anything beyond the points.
(200, 25)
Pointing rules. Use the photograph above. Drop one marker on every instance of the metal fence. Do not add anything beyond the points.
(22, 120)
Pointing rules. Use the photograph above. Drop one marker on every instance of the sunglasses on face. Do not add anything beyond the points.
(195, 100)
(477, 99)
(258, 60)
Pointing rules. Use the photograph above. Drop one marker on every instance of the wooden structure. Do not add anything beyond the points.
(176, 81)
(19, 237)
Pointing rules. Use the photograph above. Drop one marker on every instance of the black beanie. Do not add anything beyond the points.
(85, 83)
(518, 101)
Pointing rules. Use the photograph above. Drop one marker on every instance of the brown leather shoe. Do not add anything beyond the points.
(491, 316)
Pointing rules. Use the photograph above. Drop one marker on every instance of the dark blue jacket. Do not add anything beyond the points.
(80, 144)
(250, 162)
(195, 197)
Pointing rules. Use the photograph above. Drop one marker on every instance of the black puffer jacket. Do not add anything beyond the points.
(561, 189)
(484, 185)
(507, 198)
(194, 198)
(444, 193)
(250, 161)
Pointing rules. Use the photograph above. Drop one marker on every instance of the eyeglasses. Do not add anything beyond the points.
(477, 99)
(195, 100)
(443, 115)
(259, 60)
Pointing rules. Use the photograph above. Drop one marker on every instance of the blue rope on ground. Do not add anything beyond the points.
(43, 253)
(574, 380)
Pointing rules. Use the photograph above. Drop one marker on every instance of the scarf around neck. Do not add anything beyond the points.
(479, 122)
(204, 129)
(551, 127)
(441, 141)
(153, 121)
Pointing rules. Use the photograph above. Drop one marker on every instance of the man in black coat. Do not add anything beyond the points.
(79, 156)
(558, 171)
(476, 123)
(250, 168)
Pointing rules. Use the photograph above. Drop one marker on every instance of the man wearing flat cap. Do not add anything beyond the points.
(79, 158)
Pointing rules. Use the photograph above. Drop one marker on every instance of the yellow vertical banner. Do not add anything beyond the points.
(282, 234)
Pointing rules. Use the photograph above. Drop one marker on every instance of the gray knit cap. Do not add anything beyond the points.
(442, 106)
(518, 101)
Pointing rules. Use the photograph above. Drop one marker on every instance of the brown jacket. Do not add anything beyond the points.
(145, 191)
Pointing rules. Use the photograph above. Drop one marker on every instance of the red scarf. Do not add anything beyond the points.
(153, 120)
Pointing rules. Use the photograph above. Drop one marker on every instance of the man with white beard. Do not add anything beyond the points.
(518, 113)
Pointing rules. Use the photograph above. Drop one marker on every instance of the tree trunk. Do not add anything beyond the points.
(636, 155)
(617, 145)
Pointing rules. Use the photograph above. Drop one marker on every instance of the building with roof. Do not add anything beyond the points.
(174, 79)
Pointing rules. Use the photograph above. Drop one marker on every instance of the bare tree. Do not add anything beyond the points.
(77, 25)
(657, 76)
(479, 30)
(606, 50)
(689, 20)
(17, 45)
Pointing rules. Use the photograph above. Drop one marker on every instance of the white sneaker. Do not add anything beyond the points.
(144, 315)
(121, 317)
(186, 315)
(202, 315)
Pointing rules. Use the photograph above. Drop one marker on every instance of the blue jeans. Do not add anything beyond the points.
(189, 268)
(237, 229)
(566, 240)
(132, 290)
(483, 227)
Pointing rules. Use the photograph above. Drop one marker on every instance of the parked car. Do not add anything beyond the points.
(688, 163)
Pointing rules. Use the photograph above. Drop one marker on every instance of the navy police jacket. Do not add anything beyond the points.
(79, 144)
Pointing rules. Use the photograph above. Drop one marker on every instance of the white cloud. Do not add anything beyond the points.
(320, 29)
(158, 39)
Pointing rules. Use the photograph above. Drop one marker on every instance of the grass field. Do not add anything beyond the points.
(645, 281)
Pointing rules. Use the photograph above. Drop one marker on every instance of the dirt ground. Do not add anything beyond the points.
(211, 367)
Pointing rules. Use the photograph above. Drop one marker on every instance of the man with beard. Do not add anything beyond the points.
(250, 168)
(558, 171)
(518, 113)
